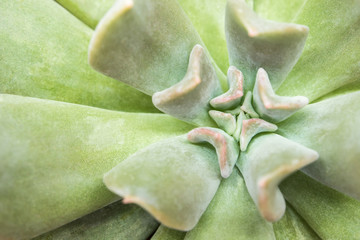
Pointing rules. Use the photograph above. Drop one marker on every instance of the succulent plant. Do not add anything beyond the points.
(75, 144)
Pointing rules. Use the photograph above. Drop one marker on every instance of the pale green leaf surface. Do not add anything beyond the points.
(88, 11)
(144, 43)
(188, 174)
(329, 213)
(227, 149)
(279, 10)
(269, 159)
(116, 221)
(292, 226)
(165, 233)
(331, 57)
(232, 215)
(255, 43)
(188, 100)
(43, 53)
(330, 127)
(208, 17)
(53, 156)
(348, 88)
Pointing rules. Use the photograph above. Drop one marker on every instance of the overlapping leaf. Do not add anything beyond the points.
(331, 214)
(331, 127)
(118, 221)
(53, 156)
(187, 173)
(44, 54)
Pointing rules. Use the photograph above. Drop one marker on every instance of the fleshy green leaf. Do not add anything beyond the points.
(44, 54)
(331, 56)
(188, 100)
(251, 127)
(293, 226)
(331, 128)
(88, 11)
(116, 221)
(270, 106)
(53, 156)
(279, 10)
(255, 43)
(232, 215)
(187, 173)
(247, 105)
(144, 43)
(331, 214)
(232, 97)
(227, 149)
(224, 120)
(164, 233)
(208, 17)
(269, 159)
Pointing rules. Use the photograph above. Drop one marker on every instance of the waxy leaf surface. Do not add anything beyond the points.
(329, 213)
(330, 127)
(188, 174)
(53, 156)
(116, 221)
(165, 233)
(208, 17)
(188, 100)
(293, 226)
(255, 43)
(144, 43)
(44, 54)
(331, 55)
(88, 11)
(232, 215)
(269, 159)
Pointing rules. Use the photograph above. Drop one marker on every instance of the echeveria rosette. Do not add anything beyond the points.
(54, 154)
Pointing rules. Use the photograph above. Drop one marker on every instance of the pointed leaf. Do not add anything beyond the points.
(53, 156)
(225, 121)
(88, 11)
(208, 17)
(247, 106)
(164, 233)
(232, 97)
(293, 226)
(187, 173)
(227, 149)
(331, 214)
(254, 42)
(144, 43)
(331, 56)
(269, 159)
(44, 54)
(232, 215)
(331, 127)
(188, 100)
(270, 106)
(252, 127)
(116, 221)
